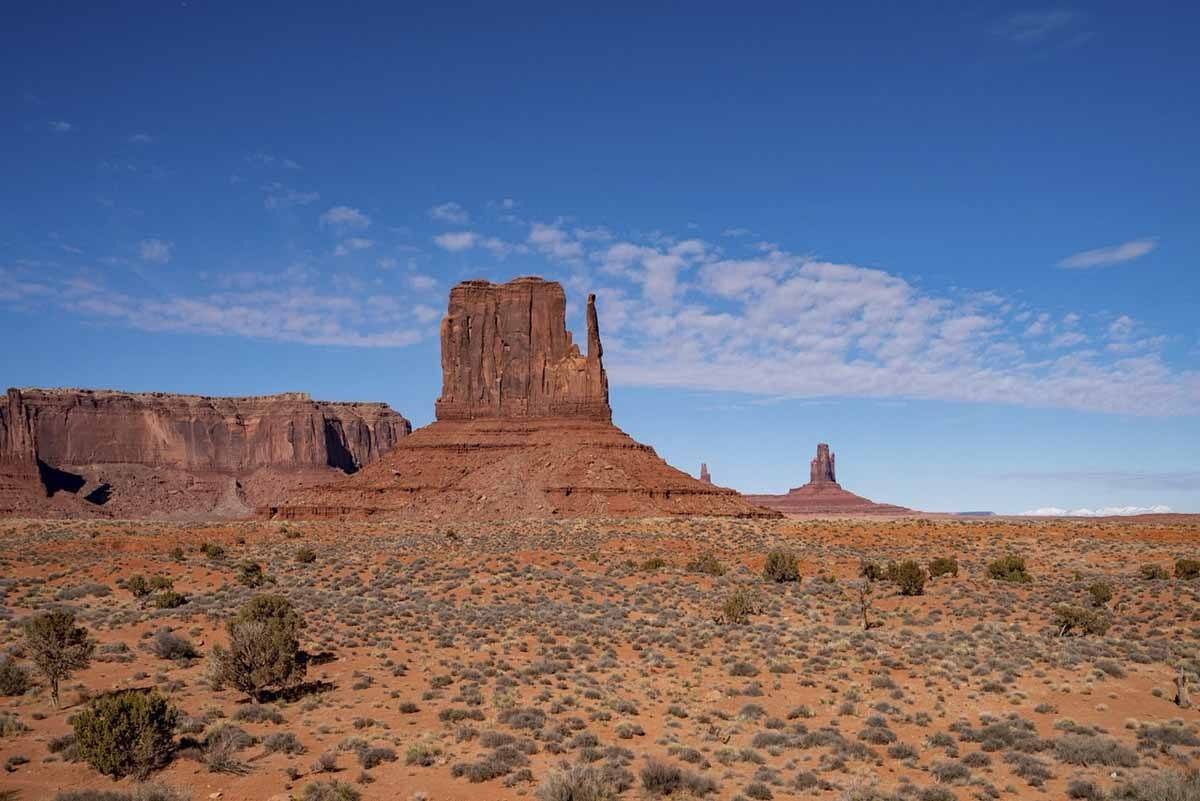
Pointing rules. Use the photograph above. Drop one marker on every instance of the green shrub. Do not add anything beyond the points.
(137, 585)
(251, 574)
(943, 566)
(169, 599)
(1187, 568)
(57, 646)
(1009, 568)
(909, 576)
(329, 791)
(14, 679)
(177, 553)
(652, 564)
(1151, 572)
(161, 582)
(1068, 618)
(707, 563)
(871, 571)
(1101, 593)
(579, 782)
(1160, 785)
(212, 551)
(264, 649)
(125, 733)
(305, 555)
(781, 566)
(738, 608)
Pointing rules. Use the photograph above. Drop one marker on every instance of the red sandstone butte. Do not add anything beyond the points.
(823, 495)
(128, 454)
(523, 430)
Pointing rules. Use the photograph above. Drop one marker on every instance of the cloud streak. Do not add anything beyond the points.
(1103, 257)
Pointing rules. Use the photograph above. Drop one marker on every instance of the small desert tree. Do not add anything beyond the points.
(781, 566)
(128, 732)
(57, 647)
(264, 648)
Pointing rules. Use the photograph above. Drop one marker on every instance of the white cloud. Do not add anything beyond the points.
(351, 244)
(61, 126)
(1103, 511)
(140, 139)
(155, 251)
(457, 241)
(553, 241)
(282, 197)
(1115, 254)
(345, 217)
(737, 232)
(1037, 27)
(451, 213)
(421, 282)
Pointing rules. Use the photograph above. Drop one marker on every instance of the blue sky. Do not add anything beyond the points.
(959, 244)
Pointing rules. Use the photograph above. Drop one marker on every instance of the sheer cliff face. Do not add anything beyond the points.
(18, 455)
(822, 469)
(506, 353)
(83, 427)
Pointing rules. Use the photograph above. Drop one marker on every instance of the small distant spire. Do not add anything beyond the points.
(704, 476)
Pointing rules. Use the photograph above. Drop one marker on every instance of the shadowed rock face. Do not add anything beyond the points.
(506, 353)
(138, 454)
(523, 430)
(19, 482)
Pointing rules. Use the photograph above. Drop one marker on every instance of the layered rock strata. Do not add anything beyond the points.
(159, 454)
(523, 430)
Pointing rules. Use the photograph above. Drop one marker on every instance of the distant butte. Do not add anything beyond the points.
(823, 495)
(524, 430)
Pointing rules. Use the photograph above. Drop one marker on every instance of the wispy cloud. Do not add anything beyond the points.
(1103, 511)
(451, 213)
(351, 244)
(279, 196)
(1033, 28)
(140, 139)
(1181, 480)
(155, 251)
(61, 126)
(1114, 254)
(345, 217)
(457, 241)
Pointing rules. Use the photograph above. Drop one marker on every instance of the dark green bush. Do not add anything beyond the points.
(871, 571)
(652, 564)
(264, 649)
(125, 733)
(1068, 618)
(1187, 568)
(908, 576)
(943, 566)
(707, 563)
(161, 582)
(305, 555)
(14, 679)
(251, 574)
(738, 608)
(212, 551)
(138, 586)
(781, 566)
(1101, 593)
(1009, 568)
(169, 599)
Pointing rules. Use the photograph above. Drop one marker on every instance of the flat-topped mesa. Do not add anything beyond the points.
(822, 469)
(506, 353)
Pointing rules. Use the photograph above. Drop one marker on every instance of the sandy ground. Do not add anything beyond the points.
(504, 650)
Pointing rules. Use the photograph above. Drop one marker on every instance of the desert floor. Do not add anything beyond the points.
(472, 661)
